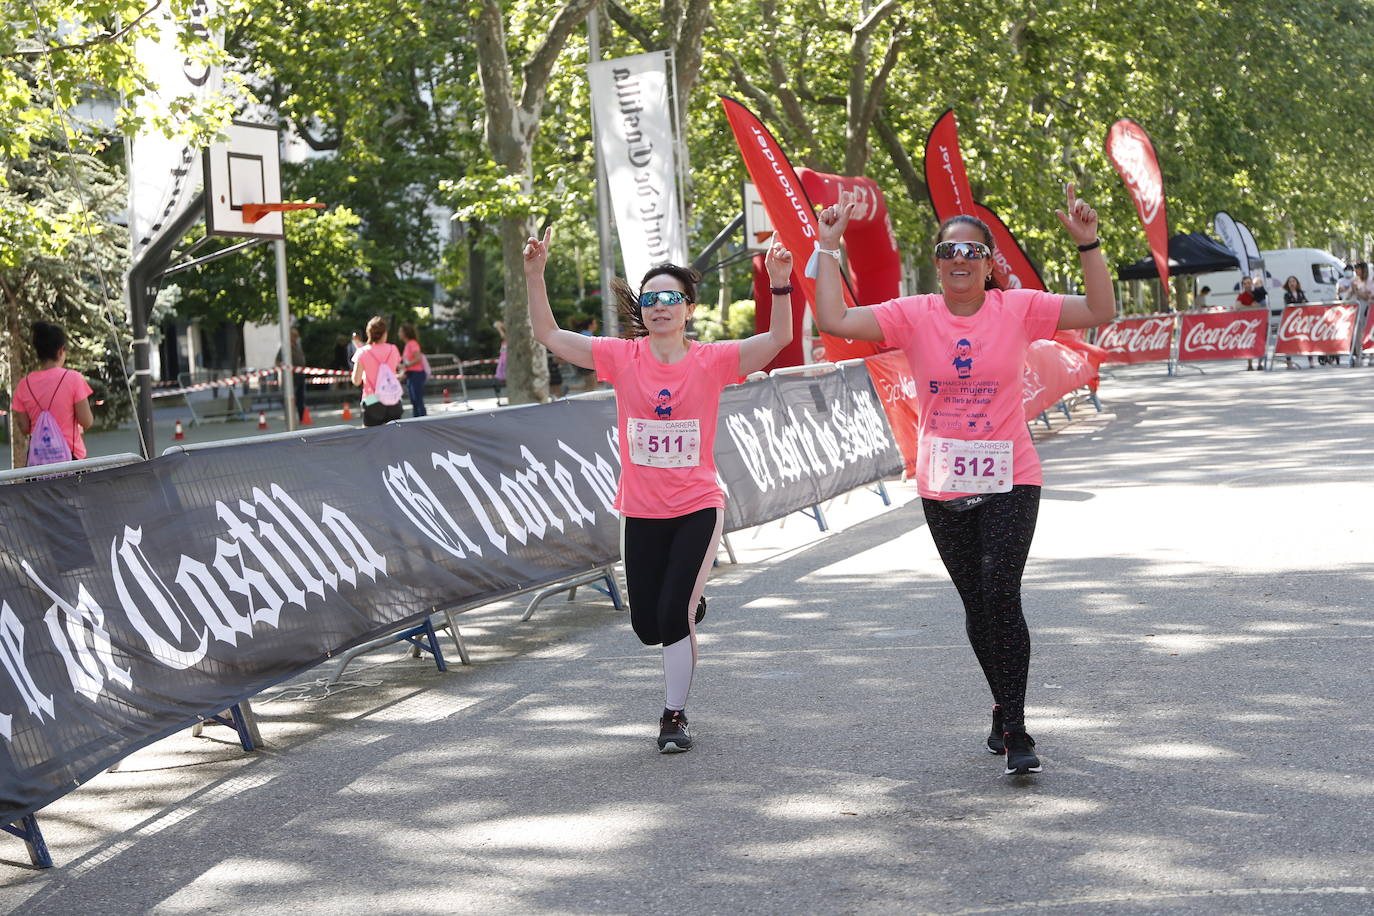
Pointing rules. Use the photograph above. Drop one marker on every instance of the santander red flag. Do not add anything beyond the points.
(789, 210)
(1130, 150)
(951, 195)
(946, 179)
(1011, 268)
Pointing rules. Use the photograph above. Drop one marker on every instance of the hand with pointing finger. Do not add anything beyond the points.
(834, 219)
(537, 252)
(778, 262)
(1078, 218)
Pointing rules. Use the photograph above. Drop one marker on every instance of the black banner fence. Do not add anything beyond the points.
(136, 600)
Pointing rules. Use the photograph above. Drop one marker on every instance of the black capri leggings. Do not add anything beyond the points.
(985, 550)
(664, 560)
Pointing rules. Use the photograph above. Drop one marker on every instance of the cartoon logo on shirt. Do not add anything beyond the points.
(963, 358)
(662, 409)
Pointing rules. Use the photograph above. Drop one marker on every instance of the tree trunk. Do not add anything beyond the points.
(527, 367)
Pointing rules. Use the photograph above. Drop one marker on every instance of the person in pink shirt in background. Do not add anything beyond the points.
(977, 470)
(368, 364)
(667, 392)
(55, 388)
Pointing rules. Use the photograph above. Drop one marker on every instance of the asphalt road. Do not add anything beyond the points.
(1199, 599)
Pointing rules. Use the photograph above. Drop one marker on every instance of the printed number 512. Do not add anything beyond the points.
(970, 467)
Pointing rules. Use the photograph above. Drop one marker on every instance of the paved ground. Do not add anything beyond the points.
(1199, 599)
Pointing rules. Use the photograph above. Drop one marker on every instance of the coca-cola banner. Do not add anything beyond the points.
(1367, 339)
(1316, 330)
(1130, 150)
(135, 600)
(1137, 340)
(1241, 334)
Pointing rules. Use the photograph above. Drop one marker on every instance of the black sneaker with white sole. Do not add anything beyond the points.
(1021, 757)
(672, 732)
(995, 743)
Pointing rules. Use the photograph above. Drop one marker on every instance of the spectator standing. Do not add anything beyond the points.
(415, 365)
(500, 360)
(1362, 291)
(1200, 299)
(1245, 299)
(297, 378)
(1293, 295)
(54, 391)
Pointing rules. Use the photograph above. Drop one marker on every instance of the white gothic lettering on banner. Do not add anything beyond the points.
(634, 134)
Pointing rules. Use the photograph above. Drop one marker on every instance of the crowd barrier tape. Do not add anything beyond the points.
(136, 600)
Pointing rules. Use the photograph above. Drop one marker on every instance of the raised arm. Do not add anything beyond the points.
(831, 315)
(758, 351)
(1098, 304)
(567, 345)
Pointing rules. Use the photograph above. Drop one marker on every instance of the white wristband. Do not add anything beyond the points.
(813, 266)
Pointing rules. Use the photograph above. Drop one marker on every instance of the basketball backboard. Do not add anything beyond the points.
(246, 169)
(758, 229)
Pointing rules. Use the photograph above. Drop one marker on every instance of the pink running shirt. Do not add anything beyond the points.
(969, 370)
(686, 390)
(377, 354)
(64, 388)
(411, 354)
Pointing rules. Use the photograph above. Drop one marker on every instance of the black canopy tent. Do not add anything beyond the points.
(1189, 253)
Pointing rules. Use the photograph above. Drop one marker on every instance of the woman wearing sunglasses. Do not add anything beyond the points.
(667, 391)
(977, 472)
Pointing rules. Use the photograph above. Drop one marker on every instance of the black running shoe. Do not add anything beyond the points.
(995, 743)
(1021, 757)
(672, 732)
(701, 609)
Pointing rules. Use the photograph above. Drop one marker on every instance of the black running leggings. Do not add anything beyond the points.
(663, 561)
(985, 550)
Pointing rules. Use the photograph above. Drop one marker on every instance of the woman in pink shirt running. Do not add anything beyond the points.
(976, 470)
(667, 391)
(56, 389)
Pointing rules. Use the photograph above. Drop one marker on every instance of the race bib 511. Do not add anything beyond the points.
(664, 443)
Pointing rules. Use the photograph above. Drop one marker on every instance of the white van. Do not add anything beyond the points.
(1318, 271)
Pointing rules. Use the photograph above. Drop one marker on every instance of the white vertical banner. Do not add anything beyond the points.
(1229, 232)
(633, 122)
(164, 172)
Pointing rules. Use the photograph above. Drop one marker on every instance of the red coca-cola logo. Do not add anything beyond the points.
(1239, 334)
(1135, 160)
(1132, 337)
(1334, 323)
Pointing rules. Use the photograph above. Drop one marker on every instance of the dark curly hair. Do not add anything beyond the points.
(627, 299)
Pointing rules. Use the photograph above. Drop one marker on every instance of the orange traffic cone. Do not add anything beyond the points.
(179, 433)
(305, 416)
(262, 419)
(347, 414)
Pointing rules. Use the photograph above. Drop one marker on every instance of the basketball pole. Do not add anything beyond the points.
(288, 381)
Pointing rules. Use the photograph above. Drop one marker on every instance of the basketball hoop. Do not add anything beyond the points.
(254, 212)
